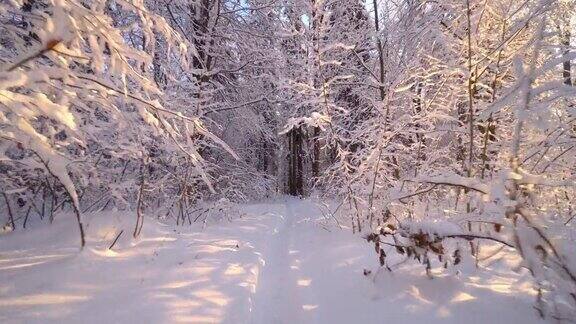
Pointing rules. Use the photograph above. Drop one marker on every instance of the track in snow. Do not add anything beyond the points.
(281, 292)
(279, 263)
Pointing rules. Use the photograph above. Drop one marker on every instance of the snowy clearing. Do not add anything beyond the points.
(280, 262)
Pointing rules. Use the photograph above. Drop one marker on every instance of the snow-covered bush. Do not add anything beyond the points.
(475, 132)
(83, 115)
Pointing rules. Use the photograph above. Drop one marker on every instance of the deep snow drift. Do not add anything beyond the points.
(280, 262)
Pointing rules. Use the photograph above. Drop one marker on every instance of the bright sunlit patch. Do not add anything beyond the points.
(195, 319)
(462, 297)
(500, 285)
(200, 270)
(33, 257)
(105, 232)
(212, 296)
(22, 265)
(42, 299)
(234, 269)
(253, 280)
(500, 288)
(177, 284)
(304, 282)
(415, 292)
(158, 239)
(105, 253)
(505, 285)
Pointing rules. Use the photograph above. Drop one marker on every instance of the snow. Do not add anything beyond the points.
(280, 262)
(315, 120)
(432, 228)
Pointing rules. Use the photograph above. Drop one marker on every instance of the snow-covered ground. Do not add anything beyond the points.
(281, 262)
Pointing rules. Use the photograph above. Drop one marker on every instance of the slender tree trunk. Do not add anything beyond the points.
(139, 216)
(290, 164)
(9, 211)
(380, 52)
(471, 88)
(316, 161)
(490, 129)
(565, 35)
(298, 140)
(80, 224)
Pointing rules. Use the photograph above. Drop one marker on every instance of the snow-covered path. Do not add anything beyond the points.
(278, 263)
(281, 295)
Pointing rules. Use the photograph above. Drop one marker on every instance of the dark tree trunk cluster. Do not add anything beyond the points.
(295, 165)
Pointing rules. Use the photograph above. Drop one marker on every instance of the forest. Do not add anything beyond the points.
(287, 161)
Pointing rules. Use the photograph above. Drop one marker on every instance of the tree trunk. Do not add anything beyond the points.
(295, 167)
(565, 35)
(380, 53)
(316, 160)
(9, 211)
